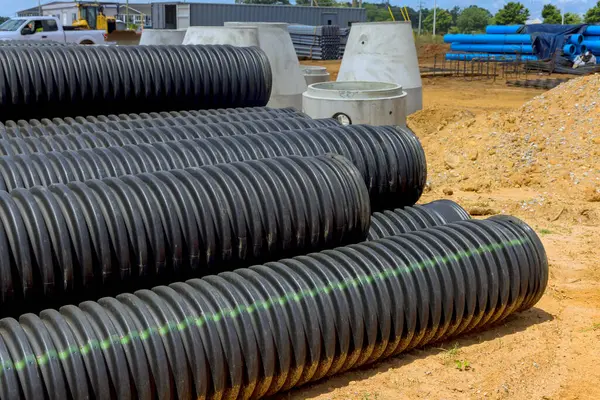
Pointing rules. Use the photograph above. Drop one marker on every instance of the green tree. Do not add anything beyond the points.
(573, 19)
(443, 22)
(551, 14)
(376, 12)
(379, 12)
(592, 16)
(455, 12)
(473, 19)
(512, 14)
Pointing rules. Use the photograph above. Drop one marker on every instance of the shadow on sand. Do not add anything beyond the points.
(513, 324)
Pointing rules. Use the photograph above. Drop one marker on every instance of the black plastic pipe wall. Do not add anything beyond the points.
(403, 220)
(258, 331)
(276, 112)
(83, 140)
(61, 81)
(391, 162)
(120, 234)
(61, 127)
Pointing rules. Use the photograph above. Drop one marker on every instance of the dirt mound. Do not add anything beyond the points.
(550, 143)
(431, 49)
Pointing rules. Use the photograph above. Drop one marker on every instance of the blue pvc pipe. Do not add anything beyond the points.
(503, 29)
(569, 49)
(593, 45)
(591, 38)
(488, 56)
(593, 30)
(488, 39)
(581, 49)
(492, 48)
(576, 39)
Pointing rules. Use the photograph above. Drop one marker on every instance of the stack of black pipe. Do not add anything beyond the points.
(59, 81)
(108, 204)
(390, 159)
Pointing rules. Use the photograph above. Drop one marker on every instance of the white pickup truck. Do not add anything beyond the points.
(48, 29)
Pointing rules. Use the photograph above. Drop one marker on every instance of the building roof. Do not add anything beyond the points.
(134, 7)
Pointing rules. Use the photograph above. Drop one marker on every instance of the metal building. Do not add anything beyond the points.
(66, 11)
(183, 15)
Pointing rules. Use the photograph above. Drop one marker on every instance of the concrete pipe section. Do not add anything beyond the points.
(357, 102)
(315, 74)
(162, 36)
(240, 37)
(384, 52)
(288, 79)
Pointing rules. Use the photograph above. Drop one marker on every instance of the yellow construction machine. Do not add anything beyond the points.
(91, 16)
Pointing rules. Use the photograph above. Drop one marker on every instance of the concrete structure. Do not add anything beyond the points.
(384, 52)
(288, 80)
(175, 15)
(315, 74)
(162, 36)
(221, 35)
(373, 103)
(66, 11)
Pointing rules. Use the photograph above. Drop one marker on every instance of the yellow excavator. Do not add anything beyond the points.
(91, 16)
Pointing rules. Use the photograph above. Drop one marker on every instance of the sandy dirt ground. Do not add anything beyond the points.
(549, 352)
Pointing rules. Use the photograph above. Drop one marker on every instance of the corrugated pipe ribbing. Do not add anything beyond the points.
(403, 220)
(84, 240)
(263, 330)
(276, 112)
(390, 160)
(50, 138)
(91, 124)
(80, 80)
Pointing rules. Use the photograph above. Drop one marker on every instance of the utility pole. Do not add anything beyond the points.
(420, 15)
(127, 15)
(434, 15)
(40, 7)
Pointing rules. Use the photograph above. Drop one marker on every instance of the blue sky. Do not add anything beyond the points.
(9, 7)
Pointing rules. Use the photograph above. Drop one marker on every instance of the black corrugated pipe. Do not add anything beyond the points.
(72, 126)
(119, 234)
(27, 125)
(61, 81)
(392, 162)
(85, 140)
(258, 331)
(403, 220)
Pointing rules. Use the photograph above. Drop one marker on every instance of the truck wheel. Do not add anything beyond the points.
(87, 42)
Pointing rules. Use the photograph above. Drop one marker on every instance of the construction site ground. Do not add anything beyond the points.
(529, 153)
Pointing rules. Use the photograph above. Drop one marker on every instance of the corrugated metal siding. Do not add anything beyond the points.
(205, 14)
(158, 16)
(183, 16)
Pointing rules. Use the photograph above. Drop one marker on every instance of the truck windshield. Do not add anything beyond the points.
(11, 25)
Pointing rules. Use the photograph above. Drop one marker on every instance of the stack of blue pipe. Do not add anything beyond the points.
(499, 43)
(591, 39)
